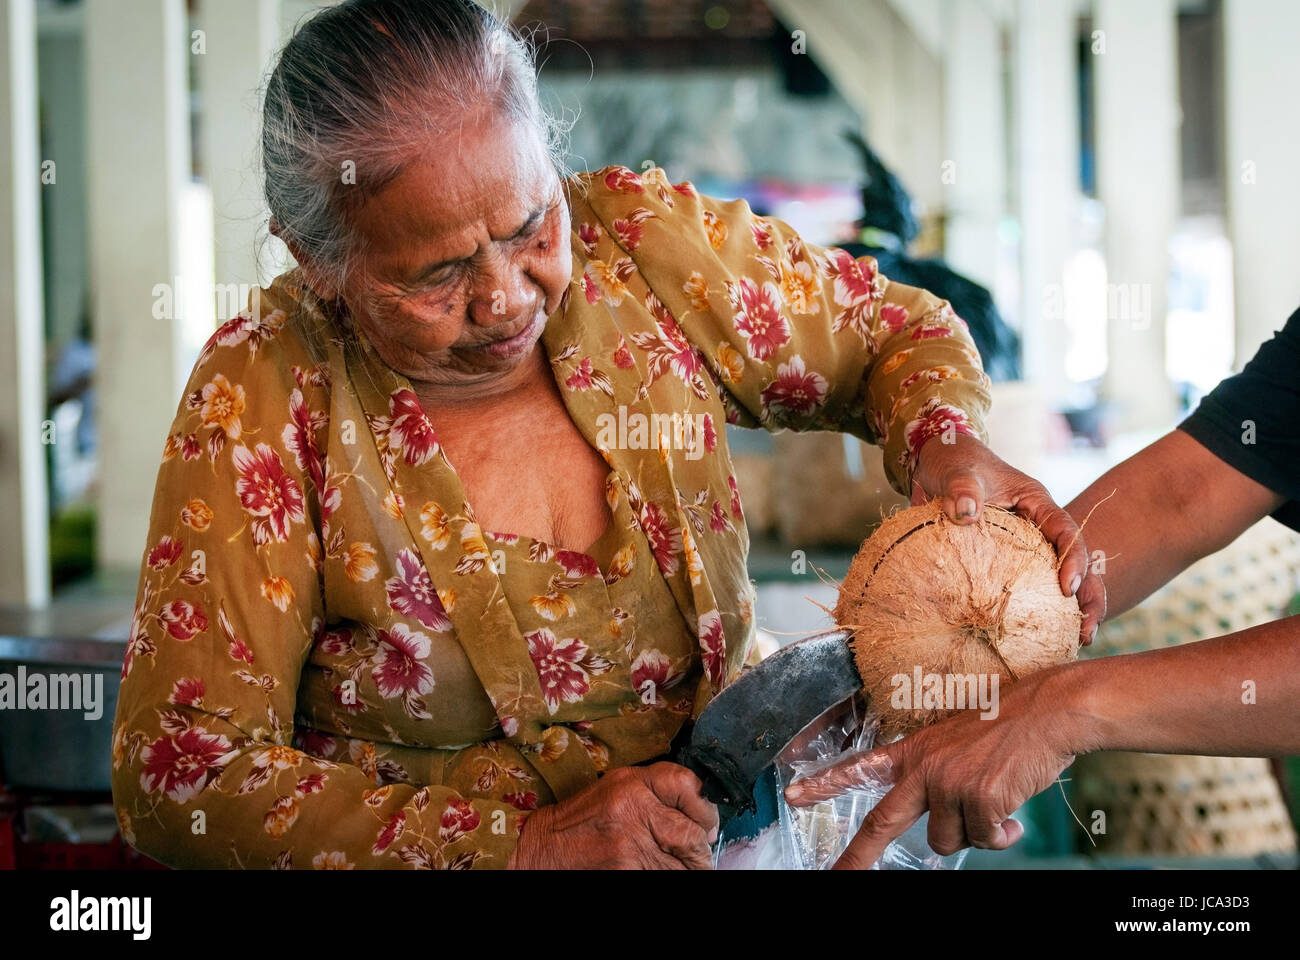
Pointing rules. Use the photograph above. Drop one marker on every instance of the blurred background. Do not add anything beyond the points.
(1105, 190)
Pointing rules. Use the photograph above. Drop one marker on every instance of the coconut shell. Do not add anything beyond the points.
(953, 599)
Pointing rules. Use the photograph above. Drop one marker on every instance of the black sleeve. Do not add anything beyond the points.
(1251, 421)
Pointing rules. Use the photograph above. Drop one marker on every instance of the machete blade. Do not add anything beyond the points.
(746, 726)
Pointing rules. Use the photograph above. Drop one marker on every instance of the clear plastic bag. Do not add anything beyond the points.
(813, 837)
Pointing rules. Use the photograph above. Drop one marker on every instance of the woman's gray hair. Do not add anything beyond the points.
(360, 88)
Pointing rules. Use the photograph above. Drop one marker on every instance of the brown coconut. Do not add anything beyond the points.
(981, 598)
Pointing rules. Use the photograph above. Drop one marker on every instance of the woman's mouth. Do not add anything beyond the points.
(520, 343)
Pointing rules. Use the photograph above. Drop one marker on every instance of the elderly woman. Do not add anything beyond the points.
(446, 543)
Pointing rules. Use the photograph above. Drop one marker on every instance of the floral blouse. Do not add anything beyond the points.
(332, 665)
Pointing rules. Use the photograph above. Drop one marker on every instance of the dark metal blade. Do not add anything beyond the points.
(746, 726)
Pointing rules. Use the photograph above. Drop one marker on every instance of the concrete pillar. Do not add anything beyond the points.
(974, 132)
(1262, 138)
(24, 517)
(240, 38)
(1047, 149)
(138, 137)
(1138, 178)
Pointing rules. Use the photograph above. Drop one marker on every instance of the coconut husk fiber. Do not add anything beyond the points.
(949, 598)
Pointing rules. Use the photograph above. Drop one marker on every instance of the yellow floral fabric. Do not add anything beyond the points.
(333, 665)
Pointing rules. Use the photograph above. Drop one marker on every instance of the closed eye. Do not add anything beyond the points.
(530, 226)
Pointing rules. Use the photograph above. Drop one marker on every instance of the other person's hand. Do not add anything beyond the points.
(647, 818)
(966, 475)
(970, 773)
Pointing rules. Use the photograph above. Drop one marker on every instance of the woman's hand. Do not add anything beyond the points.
(647, 818)
(970, 773)
(967, 474)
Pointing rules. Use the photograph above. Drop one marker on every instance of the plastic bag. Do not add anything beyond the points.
(813, 837)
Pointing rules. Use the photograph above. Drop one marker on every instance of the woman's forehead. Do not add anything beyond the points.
(486, 179)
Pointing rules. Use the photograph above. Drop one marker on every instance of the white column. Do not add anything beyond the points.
(1138, 179)
(24, 554)
(1262, 81)
(138, 139)
(239, 39)
(1047, 146)
(974, 126)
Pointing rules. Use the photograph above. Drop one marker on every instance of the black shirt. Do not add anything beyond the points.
(1263, 398)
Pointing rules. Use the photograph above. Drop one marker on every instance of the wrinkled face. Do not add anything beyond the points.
(466, 255)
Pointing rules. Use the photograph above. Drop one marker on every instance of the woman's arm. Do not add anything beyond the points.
(795, 335)
(803, 337)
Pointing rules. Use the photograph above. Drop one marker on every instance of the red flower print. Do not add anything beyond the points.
(268, 493)
(795, 390)
(411, 593)
(589, 234)
(299, 438)
(669, 350)
(167, 552)
(559, 666)
(710, 433)
(389, 834)
(191, 449)
(857, 289)
(410, 433)
(238, 649)
(457, 820)
(735, 498)
(629, 230)
(930, 330)
(577, 564)
(312, 783)
(623, 356)
(314, 743)
(651, 672)
(685, 188)
(180, 766)
(187, 692)
(893, 316)
(762, 230)
(184, 620)
(932, 420)
(590, 289)
(584, 378)
(623, 180)
(398, 664)
(758, 316)
(523, 800)
(248, 327)
(713, 647)
(718, 521)
(665, 539)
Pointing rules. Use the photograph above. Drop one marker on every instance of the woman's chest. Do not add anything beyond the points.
(533, 474)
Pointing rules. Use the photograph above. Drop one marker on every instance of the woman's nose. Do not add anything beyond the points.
(502, 299)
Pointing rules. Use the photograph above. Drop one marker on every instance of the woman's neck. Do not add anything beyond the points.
(531, 374)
